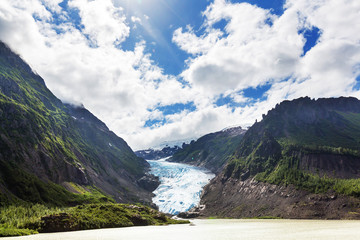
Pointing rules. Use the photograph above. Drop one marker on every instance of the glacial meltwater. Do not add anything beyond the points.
(181, 185)
(220, 229)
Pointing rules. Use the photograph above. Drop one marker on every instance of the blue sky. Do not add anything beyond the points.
(165, 17)
(162, 70)
(170, 15)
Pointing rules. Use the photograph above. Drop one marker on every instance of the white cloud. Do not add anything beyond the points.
(260, 48)
(135, 19)
(53, 5)
(118, 86)
(124, 88)
(253, 52)
(329, 68)
(190, 43)
(103, 22)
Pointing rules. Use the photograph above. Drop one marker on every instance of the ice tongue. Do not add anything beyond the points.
(180, 187)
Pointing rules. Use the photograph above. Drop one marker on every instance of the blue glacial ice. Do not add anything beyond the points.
(181, 185)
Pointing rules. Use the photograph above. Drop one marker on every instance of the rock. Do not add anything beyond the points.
(245, 175)
(138, 220)
(188, 215)
(149, 182)
(193, 212)
(57, 223)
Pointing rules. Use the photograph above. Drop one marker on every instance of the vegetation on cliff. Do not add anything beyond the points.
(300, 161)
(313, 145)
(44, 144)
(212, 150)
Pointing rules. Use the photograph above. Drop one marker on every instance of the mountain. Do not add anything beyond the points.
(154, 154)
(57, 153)
(212, 150)
(172, 143)
(301, 161)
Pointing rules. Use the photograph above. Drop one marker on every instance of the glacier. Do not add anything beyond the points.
(181, 185)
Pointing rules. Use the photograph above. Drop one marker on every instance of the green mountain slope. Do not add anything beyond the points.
(48, 148)
(299, 132)
(304, 146)
(212, 150)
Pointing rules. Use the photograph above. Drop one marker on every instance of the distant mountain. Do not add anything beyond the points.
(55, 153)
(212, 150)
(301, 161)
(173, 143)
(154, 154)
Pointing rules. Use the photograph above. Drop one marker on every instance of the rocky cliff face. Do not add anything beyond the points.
(251, 198)
(301, 161)
(45, 144)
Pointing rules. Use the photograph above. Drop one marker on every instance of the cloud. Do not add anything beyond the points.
(82, 61)
(103, 22)
(53, 5)
(120, 87)
(331, 67)
(135, 19)
(257, 48)
(189, 42)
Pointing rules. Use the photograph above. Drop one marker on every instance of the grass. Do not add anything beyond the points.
(14, 219)
(12, 232)
(31, 219)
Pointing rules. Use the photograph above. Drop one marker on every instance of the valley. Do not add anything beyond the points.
(158, 119)
(301, 161)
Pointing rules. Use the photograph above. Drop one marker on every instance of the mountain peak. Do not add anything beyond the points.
(304, 103)
(11, 58)
(324, 121)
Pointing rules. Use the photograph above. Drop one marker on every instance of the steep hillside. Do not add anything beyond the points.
(301, 161)
(49, 151)
(212, 150)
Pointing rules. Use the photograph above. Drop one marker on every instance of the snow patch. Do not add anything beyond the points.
(173, 143)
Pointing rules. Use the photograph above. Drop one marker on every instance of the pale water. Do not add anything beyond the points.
(220, 229)
(181, 185)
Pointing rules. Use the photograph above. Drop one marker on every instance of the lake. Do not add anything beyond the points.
(221, 229)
